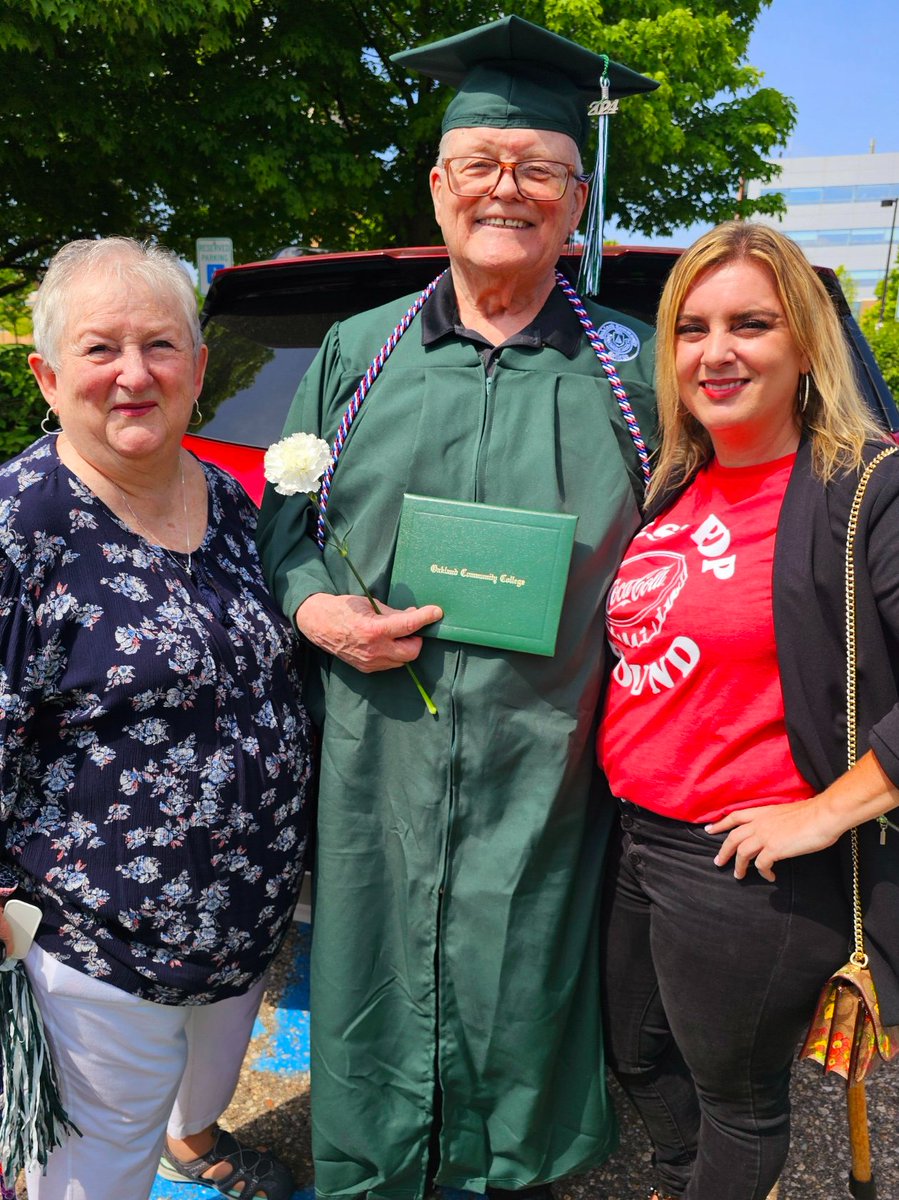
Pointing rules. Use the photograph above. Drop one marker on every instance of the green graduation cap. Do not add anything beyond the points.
(513, 74)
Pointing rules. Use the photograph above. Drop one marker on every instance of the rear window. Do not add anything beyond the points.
(249, 386)
(265, 323)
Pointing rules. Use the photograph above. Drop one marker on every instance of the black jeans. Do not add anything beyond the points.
(709, 985)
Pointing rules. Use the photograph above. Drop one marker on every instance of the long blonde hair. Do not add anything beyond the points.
(836, 418)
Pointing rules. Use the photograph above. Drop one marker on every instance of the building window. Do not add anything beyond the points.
(866, 279)
(840, 237)
(869, 237)
(848, 194)
(876, 191)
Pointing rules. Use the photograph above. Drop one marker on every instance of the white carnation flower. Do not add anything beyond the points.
(296, 463)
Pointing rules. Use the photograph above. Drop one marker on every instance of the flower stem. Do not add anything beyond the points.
(429, 703)
(343, 549)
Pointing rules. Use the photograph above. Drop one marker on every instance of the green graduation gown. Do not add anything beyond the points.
(458, 863)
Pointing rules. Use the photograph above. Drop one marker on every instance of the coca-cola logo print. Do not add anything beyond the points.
(642, 595)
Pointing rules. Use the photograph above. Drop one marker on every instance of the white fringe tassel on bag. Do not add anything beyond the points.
(32, 1119)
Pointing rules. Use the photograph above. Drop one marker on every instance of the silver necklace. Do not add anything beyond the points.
(149, 536)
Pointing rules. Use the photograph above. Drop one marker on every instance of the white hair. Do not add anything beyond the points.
(121, 258)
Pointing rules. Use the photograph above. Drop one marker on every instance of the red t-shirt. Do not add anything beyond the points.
(694, 719)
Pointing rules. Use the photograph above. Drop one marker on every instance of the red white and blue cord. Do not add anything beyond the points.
(607, 364)
(374, 370)
(377, 365)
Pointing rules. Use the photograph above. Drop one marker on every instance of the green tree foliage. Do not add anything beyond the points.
(283, 121)
(22, 406)
(848, 284)
(679, 155)
(15, 315)
(175, 119)
(883, 336)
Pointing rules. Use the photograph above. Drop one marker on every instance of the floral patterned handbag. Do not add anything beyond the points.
(846, 1034)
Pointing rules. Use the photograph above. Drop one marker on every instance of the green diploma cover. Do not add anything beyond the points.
(499, 574)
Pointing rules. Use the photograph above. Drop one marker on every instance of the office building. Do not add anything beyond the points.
(841, 211)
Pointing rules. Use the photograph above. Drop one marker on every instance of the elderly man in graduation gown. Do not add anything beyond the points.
(455, 1003)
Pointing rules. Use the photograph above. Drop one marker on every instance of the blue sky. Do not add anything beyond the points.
(839, 61)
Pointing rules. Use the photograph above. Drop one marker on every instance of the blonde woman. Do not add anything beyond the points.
(724, 730)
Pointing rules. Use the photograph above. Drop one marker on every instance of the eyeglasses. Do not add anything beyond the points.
(535, 178)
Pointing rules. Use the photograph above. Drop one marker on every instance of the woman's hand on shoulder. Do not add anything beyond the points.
(771, 832)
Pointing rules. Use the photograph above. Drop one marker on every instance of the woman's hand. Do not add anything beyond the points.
(5, 932)
(772, 832)
(348, 627)
(775, 831)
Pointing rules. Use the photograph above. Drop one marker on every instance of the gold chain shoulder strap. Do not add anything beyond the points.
(858, 955)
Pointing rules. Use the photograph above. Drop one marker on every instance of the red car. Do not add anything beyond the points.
(265, 321)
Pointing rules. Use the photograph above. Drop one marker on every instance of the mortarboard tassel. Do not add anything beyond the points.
(591, 260)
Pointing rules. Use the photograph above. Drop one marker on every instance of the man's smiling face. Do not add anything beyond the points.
(505, 233)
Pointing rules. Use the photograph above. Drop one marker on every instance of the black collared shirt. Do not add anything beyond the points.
(556, 325)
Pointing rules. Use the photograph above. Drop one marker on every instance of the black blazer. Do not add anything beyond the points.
(809, 629)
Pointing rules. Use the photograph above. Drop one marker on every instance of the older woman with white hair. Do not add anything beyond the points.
(155, 748)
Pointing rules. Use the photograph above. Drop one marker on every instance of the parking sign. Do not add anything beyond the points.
(213, 253)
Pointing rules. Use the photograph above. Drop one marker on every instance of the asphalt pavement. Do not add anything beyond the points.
(271, 1108)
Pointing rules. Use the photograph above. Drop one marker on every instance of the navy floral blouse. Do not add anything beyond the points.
(154, 751)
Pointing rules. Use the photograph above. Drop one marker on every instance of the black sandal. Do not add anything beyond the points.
(261, 1174)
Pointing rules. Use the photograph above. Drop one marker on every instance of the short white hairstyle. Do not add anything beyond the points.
(120, 258)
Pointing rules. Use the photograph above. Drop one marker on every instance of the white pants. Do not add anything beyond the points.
(127, 1070)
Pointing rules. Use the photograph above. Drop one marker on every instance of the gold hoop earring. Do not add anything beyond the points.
(51, 412)
(805, 389)
(198, 419)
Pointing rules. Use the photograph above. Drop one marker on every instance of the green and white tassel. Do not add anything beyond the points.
(32, 1118)
(591, 260)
